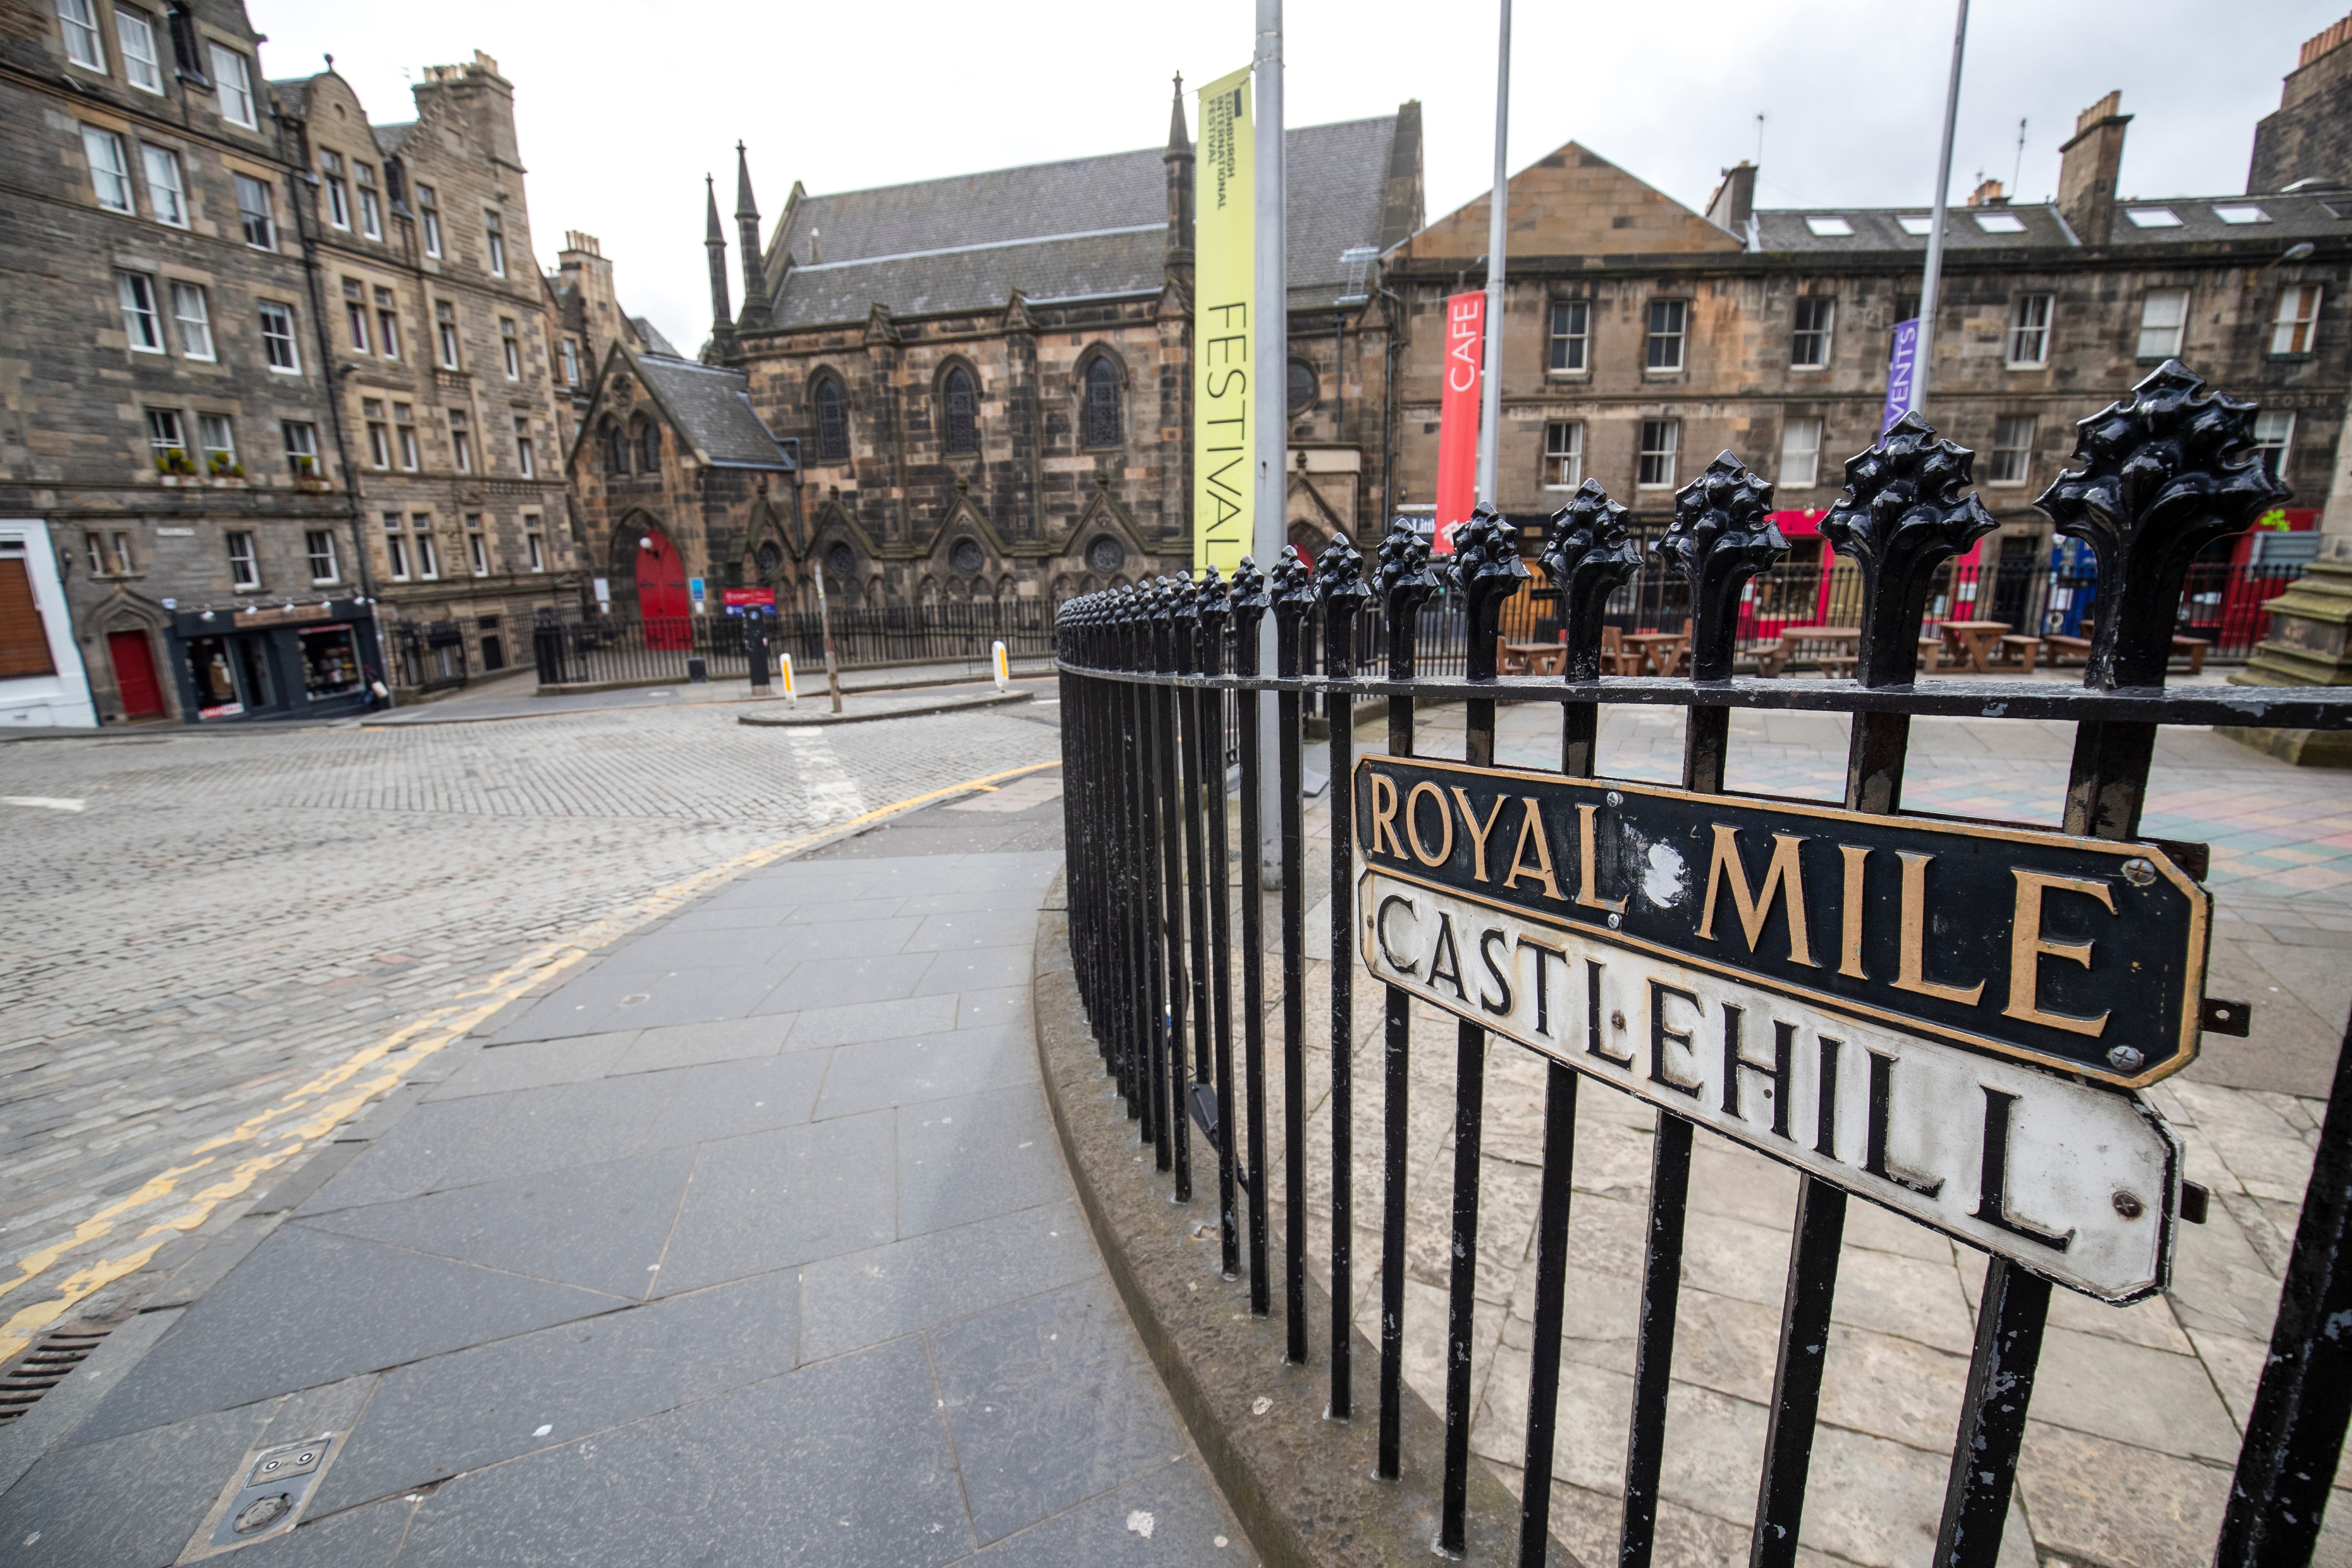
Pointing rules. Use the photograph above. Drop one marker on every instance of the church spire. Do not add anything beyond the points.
(714, 240)
(746, 234)
(1179, 159)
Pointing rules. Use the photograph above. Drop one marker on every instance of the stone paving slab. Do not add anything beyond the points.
(794, 1286)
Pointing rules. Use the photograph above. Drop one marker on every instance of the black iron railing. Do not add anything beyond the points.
(1147, 710)
(611, 648)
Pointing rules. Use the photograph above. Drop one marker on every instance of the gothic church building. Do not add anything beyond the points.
(983, 383)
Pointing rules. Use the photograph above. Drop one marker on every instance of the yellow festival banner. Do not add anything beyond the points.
(1224, 290)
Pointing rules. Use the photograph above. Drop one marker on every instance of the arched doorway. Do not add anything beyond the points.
(663, 604)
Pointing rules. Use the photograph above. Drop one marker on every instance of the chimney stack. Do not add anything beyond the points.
(2088, 168)
(1734, 199)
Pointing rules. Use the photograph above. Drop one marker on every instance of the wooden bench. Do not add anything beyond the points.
(2019, 650)
(2077, 650)
(1833, 650)
(1530, 658)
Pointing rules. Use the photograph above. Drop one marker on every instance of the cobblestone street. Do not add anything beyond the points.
(221, 945)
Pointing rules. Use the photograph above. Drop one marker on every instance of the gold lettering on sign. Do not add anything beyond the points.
(1783, 880)
(1531, 831)
(1912, 970)
(1478, 830)
(2027, 946)
(1412, 823)
(1850, 941)
(1585, 894)
(1384, 810)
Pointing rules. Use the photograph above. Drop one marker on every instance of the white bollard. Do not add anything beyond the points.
(1003, 667)
(791, 697)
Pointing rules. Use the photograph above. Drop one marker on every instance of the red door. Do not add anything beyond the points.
(662, 602)
(134, 675)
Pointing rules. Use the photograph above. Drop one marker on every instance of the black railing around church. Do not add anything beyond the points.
(612, 649)
(1156, 912)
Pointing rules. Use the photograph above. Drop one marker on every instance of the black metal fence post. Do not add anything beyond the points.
(1487, 571)
(1292, 598)
(1185, 717)
(1169, 1095)
(1209, 722)
(1250, 603)
(1406, 583)
(1340, 591)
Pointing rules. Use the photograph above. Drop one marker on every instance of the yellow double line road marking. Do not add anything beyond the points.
(303, 1116)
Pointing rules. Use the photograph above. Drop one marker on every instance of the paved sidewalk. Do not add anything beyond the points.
(516, 696)
(751, 1244)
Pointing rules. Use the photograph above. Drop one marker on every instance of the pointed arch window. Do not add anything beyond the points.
(616, 449)
(832, 421)
(1102, 410)
(962, 401)
(649, 448)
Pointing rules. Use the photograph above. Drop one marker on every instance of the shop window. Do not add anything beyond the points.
(331, 663)
(215, 680)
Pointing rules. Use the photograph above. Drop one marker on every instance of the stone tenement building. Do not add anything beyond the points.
(168, 478)
(988, 379)
(1642, 338)
(586, 320)
(438, 324)
(276, 413)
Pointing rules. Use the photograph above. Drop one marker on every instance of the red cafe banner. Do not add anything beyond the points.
(1457, 416)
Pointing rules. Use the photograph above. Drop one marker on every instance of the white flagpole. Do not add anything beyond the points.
(1272, 352)
(1923, 354)
(1490, 391)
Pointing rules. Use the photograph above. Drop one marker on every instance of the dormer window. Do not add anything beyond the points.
(339, 194)
(1828, 225)
(371, 208)
(2153, 217)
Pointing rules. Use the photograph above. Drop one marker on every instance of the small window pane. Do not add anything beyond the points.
(428, 208)
(1102, 413)
(1810, 346)
(277, 336)
(1570, 321)
(109, 168)
(78, 21)
(244, 566)
(1801, 454)
(2163, 316)
(301, 448)
(832, 422)
(166, 198)
(2298, 316)
(962, 413)
(1659, 438)
(1563, 454)
(195, 319)
(233, 79)
(1667, 321)
(2274, 439)
(2012, 450)
(139, 318)
(2028, 329)
(136, 36)
(257, 214)
(318, 544)
(218, 439)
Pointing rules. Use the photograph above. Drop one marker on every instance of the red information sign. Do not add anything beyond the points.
(737, 600)
(1457, 416)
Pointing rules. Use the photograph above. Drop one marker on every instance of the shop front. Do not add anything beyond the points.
(295, 661)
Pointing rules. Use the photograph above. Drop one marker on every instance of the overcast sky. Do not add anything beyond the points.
(624, 105)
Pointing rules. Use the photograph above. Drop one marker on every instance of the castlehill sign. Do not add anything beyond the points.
(1945, 1017)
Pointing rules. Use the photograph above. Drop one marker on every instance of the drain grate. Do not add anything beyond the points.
(42, 1368)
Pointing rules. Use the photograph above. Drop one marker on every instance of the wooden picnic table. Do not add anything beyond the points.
(1663, 652)
(1972, 642)
(1831, 649)
(1530, 658)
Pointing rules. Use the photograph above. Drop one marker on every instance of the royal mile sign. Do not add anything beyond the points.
(1945, 1017)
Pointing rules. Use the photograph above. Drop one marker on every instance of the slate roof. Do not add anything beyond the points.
(710, 408)
(651, 338)
(2285, 218)
(1080, 228)
(390, 138)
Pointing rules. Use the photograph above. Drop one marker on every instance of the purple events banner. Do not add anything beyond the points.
(1898, 374)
